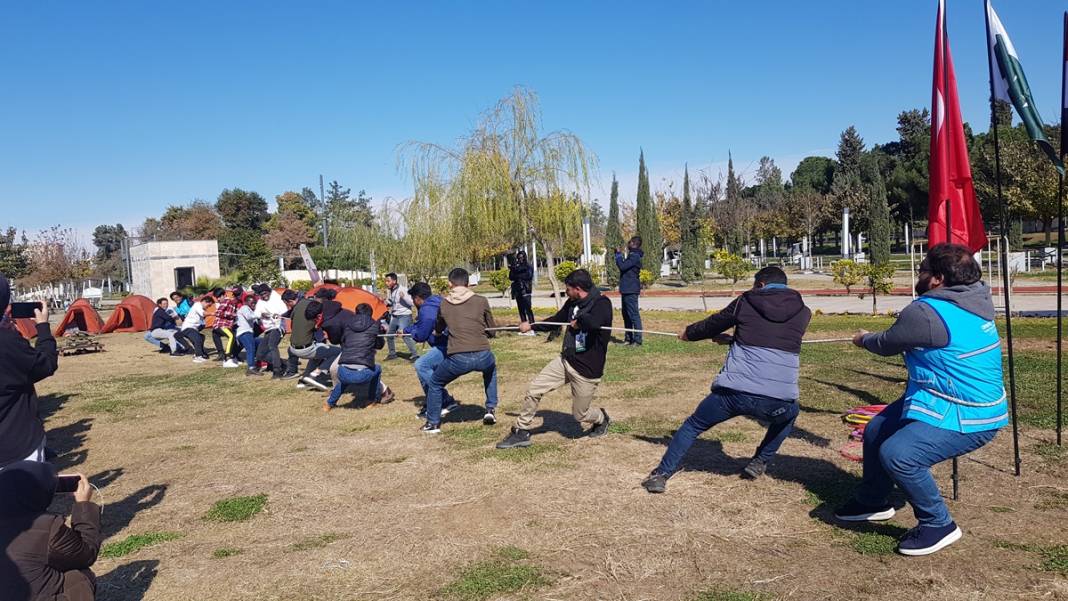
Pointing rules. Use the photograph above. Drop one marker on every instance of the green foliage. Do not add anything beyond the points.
(236, 509)
(648, 223)
(136, 542)
(301, 285)
(242, 210)
(848, 273)
(1054, 558)
(564, 268)
(880, 279)
(692, 251)
(502, 574)
(440, 285)
(873, 543)
(730, 266)
(257, 264)
(723, 594)
(646, 278)
(14, 259)
(224, 552)
(613, 236)
(814, 173)
(499, 279)
(879, 215)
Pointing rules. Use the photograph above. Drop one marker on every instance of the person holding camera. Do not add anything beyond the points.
(46, 559)
(630, 287)
(521, 273)
(22, 434)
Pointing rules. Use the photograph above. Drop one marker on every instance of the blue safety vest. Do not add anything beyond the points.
(958, 387)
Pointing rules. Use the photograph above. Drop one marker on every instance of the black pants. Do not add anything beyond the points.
(632, 318)
(526, 313)
(225, 337)
(267, 349)
(193, 339)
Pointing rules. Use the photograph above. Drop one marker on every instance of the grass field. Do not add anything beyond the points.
(221, 487)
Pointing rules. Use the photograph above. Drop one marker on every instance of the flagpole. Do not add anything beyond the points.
(1004, 245)
(1060, 233)
(949, 201)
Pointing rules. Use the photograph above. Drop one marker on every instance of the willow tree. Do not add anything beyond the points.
(508, 179)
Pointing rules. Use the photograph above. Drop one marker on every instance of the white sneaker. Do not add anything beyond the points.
(231, 363)
(530, 333)
(199, 360)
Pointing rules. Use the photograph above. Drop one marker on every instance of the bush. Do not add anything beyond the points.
(848, 273)
(301, 285)
(564, 269)
(880, 280)
(730, 266)
(499, 280)
(645, 277)
(440, 285)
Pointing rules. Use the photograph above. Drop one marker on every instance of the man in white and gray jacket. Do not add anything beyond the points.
(400, 305)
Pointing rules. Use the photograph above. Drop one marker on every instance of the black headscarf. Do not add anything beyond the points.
(27, 487)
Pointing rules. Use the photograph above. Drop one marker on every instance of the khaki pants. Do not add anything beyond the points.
(556, 374)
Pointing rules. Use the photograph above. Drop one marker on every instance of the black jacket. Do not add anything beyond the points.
(360, 340)
(162, 320)
(22, 366)
(630, 281)
(522, 276)
(590, 313)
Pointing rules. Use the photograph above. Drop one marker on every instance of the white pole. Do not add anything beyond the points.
(845, 233)
(534, 258)
(587, 247)
(912, 261)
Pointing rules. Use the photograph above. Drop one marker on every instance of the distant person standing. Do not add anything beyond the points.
(22, 434)
(400, 317)
(630, 286)
(521, 273)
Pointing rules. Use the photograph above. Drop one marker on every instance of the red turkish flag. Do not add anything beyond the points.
(950, 185)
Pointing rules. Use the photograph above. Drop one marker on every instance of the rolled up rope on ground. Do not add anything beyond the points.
(858, 417)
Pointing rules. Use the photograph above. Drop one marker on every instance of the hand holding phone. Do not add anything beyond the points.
(24, 310)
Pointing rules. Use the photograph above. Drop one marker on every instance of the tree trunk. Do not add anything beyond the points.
(550, 262)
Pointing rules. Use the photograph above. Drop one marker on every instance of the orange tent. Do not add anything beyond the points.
(80, 315)
(351, 297)
(26, 326)
(134, 314)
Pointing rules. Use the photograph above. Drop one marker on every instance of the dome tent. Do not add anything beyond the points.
(134, 314)
(350, 298)
(81, 316)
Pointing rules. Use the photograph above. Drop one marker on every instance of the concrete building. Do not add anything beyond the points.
(159, 268)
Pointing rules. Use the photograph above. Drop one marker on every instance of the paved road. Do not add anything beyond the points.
(1039, 304)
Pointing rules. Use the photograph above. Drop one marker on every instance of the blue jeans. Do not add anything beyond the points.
(248, 342)
(631, 318)
(455, 366)
(346, 376)
(721, 405)
(397, 323)
(424, 369)
(901, 451)
(149, 338)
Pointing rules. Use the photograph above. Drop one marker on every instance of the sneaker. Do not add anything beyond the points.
(390, 357)
(276, 376)
(289, 375)
(301, 385)
(600, 429)
(530, 333)
(854, 511)
(429, 428)
(252, 371)
(422, 413)
(517, 438)
(387, 396)
(200, 359)
(413, 358)
(449, 408)
(320, 381)
(755, 469)
(164, 349)
(655, 482)
(230, 363)
(489, 419)
(924, 540)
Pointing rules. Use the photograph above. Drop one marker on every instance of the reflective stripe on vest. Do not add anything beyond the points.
(958, 387)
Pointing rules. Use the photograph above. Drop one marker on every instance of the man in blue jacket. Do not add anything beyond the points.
(630, 286)
(953, 404)
(427, 303)
(164, 327)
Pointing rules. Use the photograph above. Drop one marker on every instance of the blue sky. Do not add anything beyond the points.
(114, 110)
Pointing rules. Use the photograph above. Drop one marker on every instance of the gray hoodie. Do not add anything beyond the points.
(919, 326)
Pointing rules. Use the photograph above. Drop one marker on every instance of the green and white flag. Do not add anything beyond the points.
(1010, 83)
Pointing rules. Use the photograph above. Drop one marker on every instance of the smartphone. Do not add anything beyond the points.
(23, 310)
(68, 483)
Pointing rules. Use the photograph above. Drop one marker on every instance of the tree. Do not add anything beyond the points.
(14, 260)
(807, 212)
(648, 224)
(850, 150)
(814, 173)
(598, 222)
(847, 189)
(241, 209)
(613, 236)
(879, 232)
(507, 179)
(108, 240)
(691, 261)
(257, 264)
(56, 256)
(769, 190)
(735, 213)
(848, 273)
(730, 266)
(285, 233)
(198, 221)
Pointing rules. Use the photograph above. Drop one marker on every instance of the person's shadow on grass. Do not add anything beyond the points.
(556, 421)
(119, 514)
(128, 582)
(826, 485)
(66, 443)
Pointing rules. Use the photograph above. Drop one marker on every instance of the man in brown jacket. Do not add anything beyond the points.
(42, 558)
(464, 317)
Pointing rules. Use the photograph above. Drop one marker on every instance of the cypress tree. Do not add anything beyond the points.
(613, 236)
(734, 236)
(879, 212)
(648, 222)
(690, 251)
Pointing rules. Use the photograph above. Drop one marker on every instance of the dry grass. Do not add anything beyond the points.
(360, 505)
